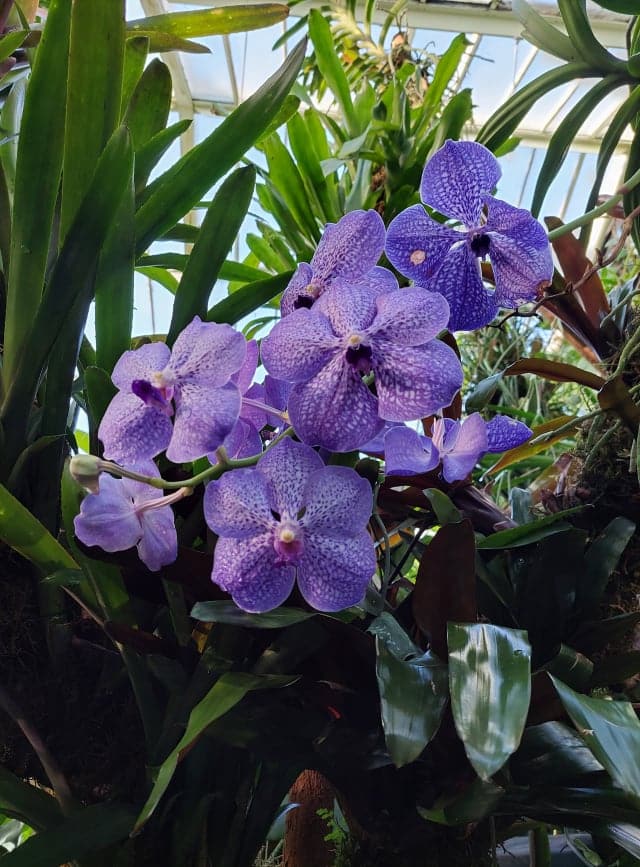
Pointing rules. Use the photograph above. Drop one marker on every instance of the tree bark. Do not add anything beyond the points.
(304, 843)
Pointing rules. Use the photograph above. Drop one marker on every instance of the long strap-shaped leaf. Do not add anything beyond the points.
(574, 15)
(211, 22)
(539, 32)
(561, 140)
(38, 169)
(178, 189)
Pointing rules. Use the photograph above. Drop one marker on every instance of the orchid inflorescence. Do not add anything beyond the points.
(352, 360)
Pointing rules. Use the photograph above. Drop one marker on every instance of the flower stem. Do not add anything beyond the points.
(602, 209)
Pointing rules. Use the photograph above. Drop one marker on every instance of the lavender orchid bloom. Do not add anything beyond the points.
(291, 517)
(353, 331)
(457, 445)
(195, 375)
(458, 181)
(126, 513)
(347, 253)
(244, 440)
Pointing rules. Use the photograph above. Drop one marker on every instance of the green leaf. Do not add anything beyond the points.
(160, 275)
(574, 15)
(94, 90)
(288, 109)
(10, 120)
(248, 298)
(230, 689)
(218, 232)
(162, 42)
(177, 190)
(100, 390)
(413, 696)
(283, 173)
(539, 32)
(80, 835)
(151, 152)
(561, 140)
(303, 147)
(331, 69)
(136, 50)
(490, 684)
(529, 533)
(571, 667)
(482, 393)
(626, 7)
(38, 170)
(600, 561)
(228, 612)
(443, 508)
(10, 42)
(211, 22)
(27, 802)
(478, 800)
(446, 68)
(611, 731)
(387, 629)
(148, 109)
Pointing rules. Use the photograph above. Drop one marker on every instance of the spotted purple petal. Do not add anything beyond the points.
(298, 291)
(336, 500)
(459, 280)
(288, 466)
(349, 308)
(350, 247)
(413, 382)
(108, 518)
(470, 444)
(457, 179)
(299, 346)
(378, 280)
(244, 376)
(159, 543)
(140, 364)
(246, 568)
(239, 504)
(207, 353)
(410, 317)
(505, 433)
(417, 245)
(334, 409)
(204, 417)
(131, 431)
(407, 453)
(334, 572)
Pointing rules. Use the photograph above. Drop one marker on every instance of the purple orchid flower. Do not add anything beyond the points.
(458, 181)
(291, 517)
(195, 377)
(457, 445)
(351, 332)
(126, 513)
(347, 253)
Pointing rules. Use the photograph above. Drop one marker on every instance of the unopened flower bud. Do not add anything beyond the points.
(86, 470)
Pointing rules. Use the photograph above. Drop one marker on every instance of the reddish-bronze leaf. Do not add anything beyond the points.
(555, 371)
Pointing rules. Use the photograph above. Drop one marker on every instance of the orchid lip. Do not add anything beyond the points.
(160, 398)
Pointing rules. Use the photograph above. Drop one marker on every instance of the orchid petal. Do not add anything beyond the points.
(288, 466)
(334, 572)
(159, 544)
(337, 500)
(108, 519)
(505, 433)
(246, 569)
(238, 505)
(140, 363)
(299, 346)
(204, 417)
(349, 308)
(459, 280)
(406, 453)
(410, 317)
(131, 431)
(470, 445)
(417, 245)
(296, 287)
(206, 353)
(349, 248)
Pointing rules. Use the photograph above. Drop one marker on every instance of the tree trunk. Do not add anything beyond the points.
(304, 843)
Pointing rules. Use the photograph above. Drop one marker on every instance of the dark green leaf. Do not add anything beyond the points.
(552, 754)
(443, 508)
(100, 390)
(288, 109)
(331, 68)
(611, 731)
(38, 170)
(10, 42)
(574, 15)
(529, 533)
(387, 630)
(614, 669)
(148, 110)
(10, 119)
(151, 152)
(177, 190)
(136, 50)
(27, 802)
(80, 835)
(161, 42)
(490, 684)
(413, 696)
(230, 689)
(601, 559)
(482, 393)
(479, 799)
(248, 298)
(571, 667)
(218, 232)
(65, 577)
(541, 33)
(228, 612)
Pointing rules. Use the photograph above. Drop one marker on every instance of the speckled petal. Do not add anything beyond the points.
(378, 280)
(506, 433)
(131, 431)
(207, 353)
(457, 179)
(108, 519)
(335, 409)
(246, 569)
(471, 304)
(470, 445)
(244, 441)
(238, 504)
(255, 416)
(288, 466)
(140, 364)
(159, 544)
(337, 500)
(276, 392)
(413, 382)
(520, 254)
(334, 572)
(410, 317)
(349, 248)
(349, 308)
(204, 417)
(407, 453)
(417, 245)
(299, 346)
(244, 377)
(296, 286)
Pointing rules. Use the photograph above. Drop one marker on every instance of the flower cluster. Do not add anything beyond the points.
(353, 358)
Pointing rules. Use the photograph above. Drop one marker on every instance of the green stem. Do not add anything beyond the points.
(570, 425)
(602, 209)
(628, 350)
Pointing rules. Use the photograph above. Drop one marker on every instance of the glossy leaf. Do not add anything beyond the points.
(490, 684)
(10, 42)
(443, 508)
(600, 560)
(247, 299)
(614, 395)
(38, 170)
(151, 152)
(136, 50)
(161, 42)
(551, 753)
(228, 690)
(555, 371)
(387, 630)
(211, 22)
(529, 533)
(413, 696)
(27, 802)
(218, 232)
(178, 189)
(228, 612)
(571, 667)
(481, 798)
(80, 835)
(574, 15)
(10, 119)
(611, 730)
(331, 69)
